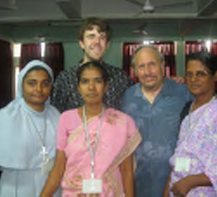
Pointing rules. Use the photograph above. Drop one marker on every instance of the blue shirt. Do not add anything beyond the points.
(158, 124)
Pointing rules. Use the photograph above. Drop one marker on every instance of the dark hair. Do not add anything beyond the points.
(95, 64)
(102, 25)
(37, 68)
(207, 59)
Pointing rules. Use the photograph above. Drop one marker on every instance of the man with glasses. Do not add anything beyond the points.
(155, 105)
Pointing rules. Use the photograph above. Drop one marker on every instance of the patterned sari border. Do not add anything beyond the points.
(80, 129)
(126, 151)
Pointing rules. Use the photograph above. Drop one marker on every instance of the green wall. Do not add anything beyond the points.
(73, 54)
(164, 31)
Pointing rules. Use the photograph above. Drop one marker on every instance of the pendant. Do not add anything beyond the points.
(44, 153)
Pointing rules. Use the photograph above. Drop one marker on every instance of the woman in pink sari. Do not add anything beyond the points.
(194, 163)
(94, 144)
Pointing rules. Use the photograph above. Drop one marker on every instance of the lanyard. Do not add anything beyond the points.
(191, 127)
(92, 151)
(41, 139)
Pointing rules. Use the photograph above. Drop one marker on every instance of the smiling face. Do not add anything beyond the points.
(148, 69)
(94, 44)
(199, 79)
(92, 86)
(36, 89)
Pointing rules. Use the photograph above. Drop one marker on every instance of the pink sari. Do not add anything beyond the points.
(118, 139)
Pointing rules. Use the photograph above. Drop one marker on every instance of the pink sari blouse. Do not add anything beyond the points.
(118, 139)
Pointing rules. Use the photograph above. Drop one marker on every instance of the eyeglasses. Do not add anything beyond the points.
(198, 74)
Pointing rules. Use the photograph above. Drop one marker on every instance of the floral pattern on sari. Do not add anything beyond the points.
(199, 144)
(118, 139)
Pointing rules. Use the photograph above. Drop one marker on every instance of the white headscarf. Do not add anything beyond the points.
(26, 69)
(19, 144)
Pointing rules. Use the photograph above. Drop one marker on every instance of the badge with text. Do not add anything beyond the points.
(47, 166)
(182, 164)
(92, 186)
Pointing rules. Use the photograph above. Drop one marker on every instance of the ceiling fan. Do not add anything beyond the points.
(147, 7)
(8, 5)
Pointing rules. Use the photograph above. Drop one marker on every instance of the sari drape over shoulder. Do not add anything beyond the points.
(118, 139)
(200, 146)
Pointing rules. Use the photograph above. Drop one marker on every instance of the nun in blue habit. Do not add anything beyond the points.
(28, 126)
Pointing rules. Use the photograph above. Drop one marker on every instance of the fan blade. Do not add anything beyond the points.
(140, 31)
(138, 14)
(207, 8)
(186, 3)
(135, 2)
(8, 5)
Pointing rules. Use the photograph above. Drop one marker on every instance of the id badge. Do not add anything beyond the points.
(47, 166)
(182, 164)
(92, 186)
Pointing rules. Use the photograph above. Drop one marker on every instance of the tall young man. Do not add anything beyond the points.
(94, 39)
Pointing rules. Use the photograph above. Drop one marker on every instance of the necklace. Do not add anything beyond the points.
(41, 139)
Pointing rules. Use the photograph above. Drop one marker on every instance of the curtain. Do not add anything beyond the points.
(214, 48)
(128, 49)
(29, 52)
(166, 48)
(6, 73)
(54, 55)
(194, 46)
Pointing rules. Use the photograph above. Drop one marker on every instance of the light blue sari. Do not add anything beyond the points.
(20, 148)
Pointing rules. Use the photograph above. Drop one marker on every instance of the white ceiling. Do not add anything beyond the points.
(62, 10)
(65, 13)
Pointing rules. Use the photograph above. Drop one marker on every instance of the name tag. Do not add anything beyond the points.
(47, 166)
(92, 186)
(182, 164)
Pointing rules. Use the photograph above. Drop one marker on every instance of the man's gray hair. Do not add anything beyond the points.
(159, 54)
